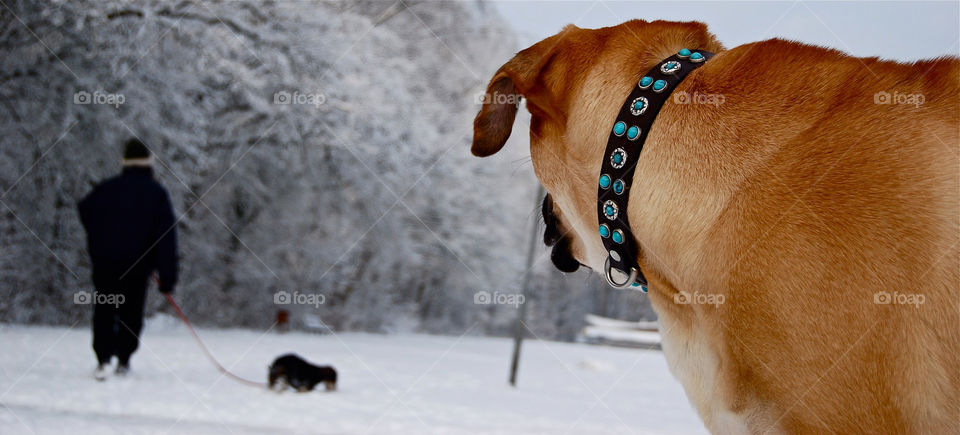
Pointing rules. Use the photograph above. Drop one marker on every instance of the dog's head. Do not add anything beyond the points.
(574, 84)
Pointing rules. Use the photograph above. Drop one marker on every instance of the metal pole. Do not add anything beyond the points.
(519, 325)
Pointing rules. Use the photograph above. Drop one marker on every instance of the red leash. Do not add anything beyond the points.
(221, 368)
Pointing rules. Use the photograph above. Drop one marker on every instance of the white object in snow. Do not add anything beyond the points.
(595, 320)
(620, 337)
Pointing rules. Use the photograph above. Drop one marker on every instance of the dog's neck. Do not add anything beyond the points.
(622, 153)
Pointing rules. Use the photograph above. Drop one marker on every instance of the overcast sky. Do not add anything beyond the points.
(892, 30)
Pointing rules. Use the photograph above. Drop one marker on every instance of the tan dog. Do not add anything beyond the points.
(826, 221)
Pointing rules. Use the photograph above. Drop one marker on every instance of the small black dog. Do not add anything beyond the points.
(296, 372)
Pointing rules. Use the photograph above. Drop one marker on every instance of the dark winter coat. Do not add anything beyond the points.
(130, 228)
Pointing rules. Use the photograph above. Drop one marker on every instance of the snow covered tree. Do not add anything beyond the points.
(320, 148)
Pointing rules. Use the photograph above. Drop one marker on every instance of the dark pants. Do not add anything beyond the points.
(116, 326)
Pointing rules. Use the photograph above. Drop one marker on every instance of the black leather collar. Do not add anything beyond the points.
(620, 159)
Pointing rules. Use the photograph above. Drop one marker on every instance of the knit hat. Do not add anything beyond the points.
(135, 153)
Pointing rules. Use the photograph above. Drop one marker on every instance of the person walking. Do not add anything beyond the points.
(131, 232)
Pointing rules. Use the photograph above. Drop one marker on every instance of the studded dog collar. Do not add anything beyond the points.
(620, 159)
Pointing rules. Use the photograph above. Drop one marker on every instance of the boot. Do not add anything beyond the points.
(100, 373)
(122, 369)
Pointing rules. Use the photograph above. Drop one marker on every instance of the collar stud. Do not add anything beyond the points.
(670, 67)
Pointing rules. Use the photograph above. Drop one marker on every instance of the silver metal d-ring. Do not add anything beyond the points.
(626, 284)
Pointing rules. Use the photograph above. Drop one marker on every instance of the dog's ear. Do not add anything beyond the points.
(516, 78)
(492, 126)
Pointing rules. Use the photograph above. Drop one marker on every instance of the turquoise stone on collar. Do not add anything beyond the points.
(604, 181)
(645, 82)
(683, 53)
(617, 236)
(696, 57)
(618, 158)
(659, 85)
(670, 67)
(619, 128)
(617, 187)
(610, 210)
(638, 106)
(604, 231)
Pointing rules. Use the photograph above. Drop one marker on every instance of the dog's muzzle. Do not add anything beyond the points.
(561, 256)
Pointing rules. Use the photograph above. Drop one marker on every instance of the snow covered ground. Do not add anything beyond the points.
(388, 384)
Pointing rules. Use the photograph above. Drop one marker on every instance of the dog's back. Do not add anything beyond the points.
(292, 370)
(844, 225)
